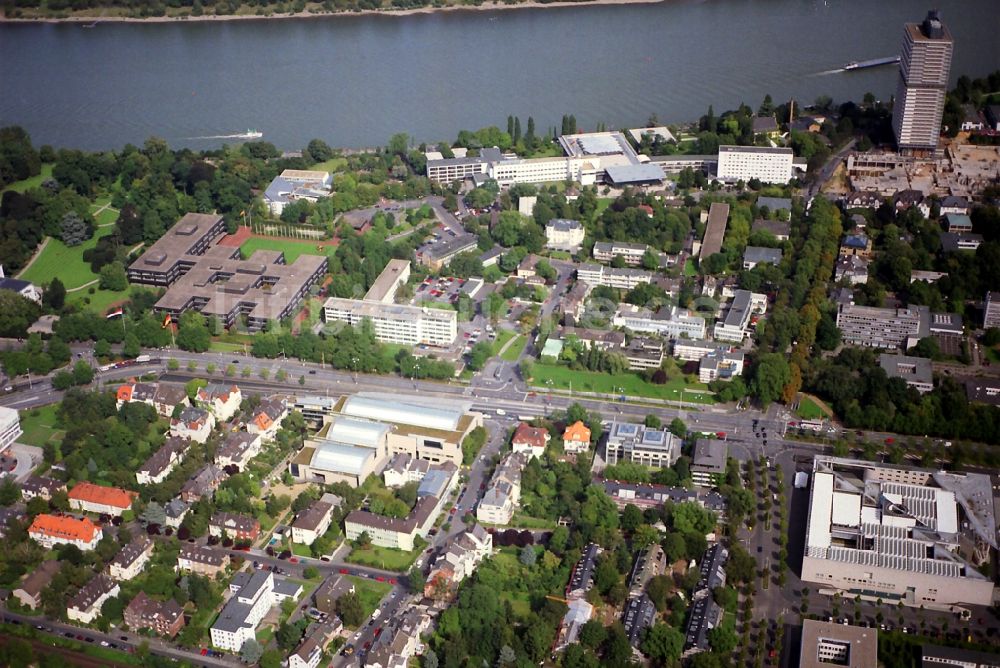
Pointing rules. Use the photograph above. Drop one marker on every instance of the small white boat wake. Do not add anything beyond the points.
(249, 134)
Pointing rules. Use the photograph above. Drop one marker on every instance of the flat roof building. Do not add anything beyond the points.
(636, 443)
(827, 644)
(936, 656)
(10, 427)
(708, 461)
(216, 281)
(669, 322)
(882, 327)
(735, 326)
(915, 371)
(613, 277)
(767, 164)
(900, 534)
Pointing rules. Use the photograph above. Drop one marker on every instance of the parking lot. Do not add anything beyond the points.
(443, 290)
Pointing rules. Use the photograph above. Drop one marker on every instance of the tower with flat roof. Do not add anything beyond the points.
(923, 79)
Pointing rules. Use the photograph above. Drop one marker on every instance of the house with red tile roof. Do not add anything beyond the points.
(576, 438)
(193, 423)
(267, 418)
(91, 498)
(530, 439)
(222, 399)
(51, 530)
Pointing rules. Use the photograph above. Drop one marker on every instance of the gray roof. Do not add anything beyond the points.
(15, 284)
(287, 588)
(639, 614)
(775, 203)
(778, 228)
(910, 369)
(434, 483)
(710, 454)
(443, 249)
(128, 554)
(564, 224)
(764, 124)
(760, 254)
(88, 594)
(635, 173)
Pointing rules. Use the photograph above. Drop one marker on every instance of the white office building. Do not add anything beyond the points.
(899, 534)
(735, 326)
(10, 427)
(670, 322)
(742, 163)
(619, 278)
(238, 620)
(396, 323)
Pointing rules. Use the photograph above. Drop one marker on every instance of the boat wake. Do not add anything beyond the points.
(241, 135)
(827, 72)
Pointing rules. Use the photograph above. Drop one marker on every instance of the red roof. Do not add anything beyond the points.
(88, 492)
(61, 526)
(535, 437)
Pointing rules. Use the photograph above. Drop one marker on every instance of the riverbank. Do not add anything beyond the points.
(94, 19)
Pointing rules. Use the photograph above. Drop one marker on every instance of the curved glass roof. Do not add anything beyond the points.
(357, 432)
(341, 458)
(403, 413)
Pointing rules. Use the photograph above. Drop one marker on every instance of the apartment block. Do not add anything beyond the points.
(669, 322)
(619, 278)
(131, 559)
(10, 427)
(51, 530)
(91, 498)
(85, 605)
(736, 325)
(164, 618)
(635, 443)
(923, 81)
(767, 164)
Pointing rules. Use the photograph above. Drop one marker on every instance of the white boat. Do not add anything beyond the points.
(249, 134)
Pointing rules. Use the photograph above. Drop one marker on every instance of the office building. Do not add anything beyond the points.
(669, 322)
(708, 461)
(827, 644)
(936, 656)
(612, 277)
(85, 605)
(915, 371)
(638, 444)
(393, 532)
(564, 234)
(435, 254)
(296, 184)
(764, 163)
(396, 323)
(923, 81)
(216, 281)
(899, 534)
(632, 254)
(238, 620)
(736, 325)
(10, 427)
(882, 327)
(195, 424)
(991, 310)
(692, 350)
(720, 365)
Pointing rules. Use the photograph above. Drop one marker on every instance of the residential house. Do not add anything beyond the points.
(175, 510)
(577, 614)
(581, 579)
(458, 561)
(916, 372)
(203, 483)
(576, 438)
(766, 126)
(26, 289)
(86, 605)
(780, 230)
(238, 448)
(239, 618)
(310, 650)
(530, 439)
(41, 486)
(329, 592)
(648, 564)
(906, 199)
(562, 234)
(858, 245)
(135, 392)
(958, 222)
(954, 204)
(404, 468)
(29, 593)
(268, 418)
(51, 530)
(993, 116)
(862, 199)
(193, 423)
(221, 399)
(972, 118)
(241, 528)
(164, 618)
(638, 615)
(954, 243)
(503, 491)
(159, 465)
(201, 560)
(754, 255)
(393, 532)
(168, 397)
(313, 522)
(852, 269)
(91, 498)
(131, 559)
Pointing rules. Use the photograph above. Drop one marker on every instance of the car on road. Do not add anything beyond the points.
(343, 571)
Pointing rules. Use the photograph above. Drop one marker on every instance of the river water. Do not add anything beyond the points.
(355, 80)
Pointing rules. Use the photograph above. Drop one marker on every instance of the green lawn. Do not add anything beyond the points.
(300, 550)
(292, 249)
(809, 409)
(106, 217)
(689, 268)
(523, 521)
(514, 349)
(66, 262)
(33, 181)
(503, 336)
(629, 383)
(101, 301)
(226, 347)
(370, 592)
(264, 635)
(331, 165)
(39, 429)
(384, 558)
(441, 306)
(602, 204)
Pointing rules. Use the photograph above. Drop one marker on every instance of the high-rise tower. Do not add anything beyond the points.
(923, 79)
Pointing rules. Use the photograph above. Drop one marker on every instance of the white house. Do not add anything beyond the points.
(312, 522)
(85, 606)
(193, 423)
(220, 399)
(238, 620)
(238, 449)
(26, 289)
(131, 559)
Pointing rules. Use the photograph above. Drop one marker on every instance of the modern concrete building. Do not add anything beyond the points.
(216, 281)
(296, 184)
(631, 253)
(239, 618)
(564, 234)
(670, 322)
(767, 164)
(991, 310)
(720, 365)
(388, 282)
(708, 461)
(882, 327)
(923, 81)
(635, 443)
(10, 427)
(827, 644)
(915, 371)
(899, 534)
(620, 278)
(736, 325)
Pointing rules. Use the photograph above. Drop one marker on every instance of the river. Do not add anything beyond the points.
(355, 80)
